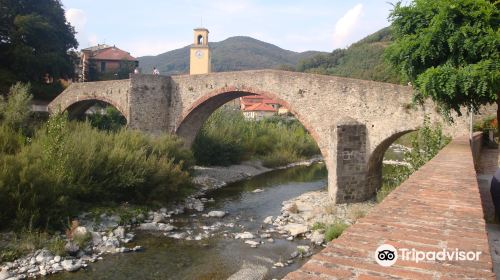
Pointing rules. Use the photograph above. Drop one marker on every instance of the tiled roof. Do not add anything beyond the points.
(259, 107)
(112, 53)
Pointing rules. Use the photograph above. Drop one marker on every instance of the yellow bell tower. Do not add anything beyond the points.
(199, 59)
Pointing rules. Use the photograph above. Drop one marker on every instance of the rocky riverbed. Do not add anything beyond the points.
(93, 238)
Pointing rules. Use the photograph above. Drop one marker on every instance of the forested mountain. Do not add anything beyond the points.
(232, 54)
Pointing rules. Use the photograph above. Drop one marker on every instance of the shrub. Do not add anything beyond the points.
(68, 166)
(227, 138)
(335, 230)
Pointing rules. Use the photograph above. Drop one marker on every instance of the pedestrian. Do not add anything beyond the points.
(155, 71)
(495, 193)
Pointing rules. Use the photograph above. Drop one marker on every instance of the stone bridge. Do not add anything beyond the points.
(353, 121)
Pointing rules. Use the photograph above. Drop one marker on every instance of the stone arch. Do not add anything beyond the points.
(374, 165)
(77, 108)
(193, 118)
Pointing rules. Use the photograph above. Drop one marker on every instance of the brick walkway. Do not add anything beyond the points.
(438, 207)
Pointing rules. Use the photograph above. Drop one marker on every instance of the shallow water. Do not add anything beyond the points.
(219, 256)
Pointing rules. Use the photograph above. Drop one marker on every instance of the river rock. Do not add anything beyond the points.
(252, 243)
(317, 238)
(57, 259)
(295, 229)
(96, 238)
(244, 235)
(80, 231)
(158, 217)
(249, 272)
(217, 214)
(119, 232)
(268, 220)
(279, 264)
(4, 274)
(57, 267)
(156, 227)
(71, 265)
(265, 235)
(43, 256)
(257, 190)
(71, 247)
(179, 235)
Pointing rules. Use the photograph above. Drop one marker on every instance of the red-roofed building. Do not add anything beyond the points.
(103, 62)
(258, 111)
(251, 111)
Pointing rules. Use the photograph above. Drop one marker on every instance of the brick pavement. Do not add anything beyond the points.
(438, 207)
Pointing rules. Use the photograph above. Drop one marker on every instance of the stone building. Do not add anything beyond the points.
(104, 62)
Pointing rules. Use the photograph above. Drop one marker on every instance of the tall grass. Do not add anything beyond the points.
(227, 138)
(68, 166)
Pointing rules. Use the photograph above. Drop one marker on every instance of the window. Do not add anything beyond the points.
(200, 39)
(103, 66)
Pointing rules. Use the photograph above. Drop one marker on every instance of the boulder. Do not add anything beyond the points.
(217, 214)
(43, 256)
(71, 265)
(119, 232)
(268, 220)
(244, 235)
(295, 229)
(317, 238)
(4, 274)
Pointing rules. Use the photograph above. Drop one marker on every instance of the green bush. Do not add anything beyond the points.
(227, 138)
(335, 230)
(68, 165)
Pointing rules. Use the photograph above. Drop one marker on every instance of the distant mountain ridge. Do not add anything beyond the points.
(232, 54)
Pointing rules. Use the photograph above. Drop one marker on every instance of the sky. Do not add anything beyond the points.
(149, 27)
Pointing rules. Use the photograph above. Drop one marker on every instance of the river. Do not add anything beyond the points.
(220, 255)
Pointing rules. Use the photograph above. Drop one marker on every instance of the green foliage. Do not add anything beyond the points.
(227, 138)
(318, 226)
(362, 60)
(34, 40)
(70, 165)
(334, 230)
(28, 241)
(425, 144)
(110, 120)
(232, 54)
(449, 50)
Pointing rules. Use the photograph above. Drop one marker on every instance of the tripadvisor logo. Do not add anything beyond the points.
(387, 255)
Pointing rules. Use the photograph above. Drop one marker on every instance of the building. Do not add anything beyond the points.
(258, 111)
(247, 103)
(104, 62)
(200, 57)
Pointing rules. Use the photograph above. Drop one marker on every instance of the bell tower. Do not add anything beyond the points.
(199, 58)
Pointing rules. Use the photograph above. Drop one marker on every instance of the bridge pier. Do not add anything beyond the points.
(347, 168)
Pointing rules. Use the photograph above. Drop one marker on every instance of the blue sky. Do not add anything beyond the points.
(148, 27)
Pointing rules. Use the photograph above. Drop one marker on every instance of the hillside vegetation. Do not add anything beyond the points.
(232, 54)
(362, 60)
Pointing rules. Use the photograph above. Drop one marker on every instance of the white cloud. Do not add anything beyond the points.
(345, 25)
(77, 18)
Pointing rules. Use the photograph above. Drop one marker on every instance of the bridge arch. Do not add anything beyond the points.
(375, 160)
(195, 116)
(78, 108)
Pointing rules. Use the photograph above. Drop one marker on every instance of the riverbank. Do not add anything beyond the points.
(110, 233)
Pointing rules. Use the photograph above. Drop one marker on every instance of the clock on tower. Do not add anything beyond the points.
(199, 59)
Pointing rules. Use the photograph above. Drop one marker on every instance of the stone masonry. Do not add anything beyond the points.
(374, 114)
(438, 207)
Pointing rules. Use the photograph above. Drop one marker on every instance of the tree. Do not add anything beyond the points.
(449, 51)
(34, 41)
